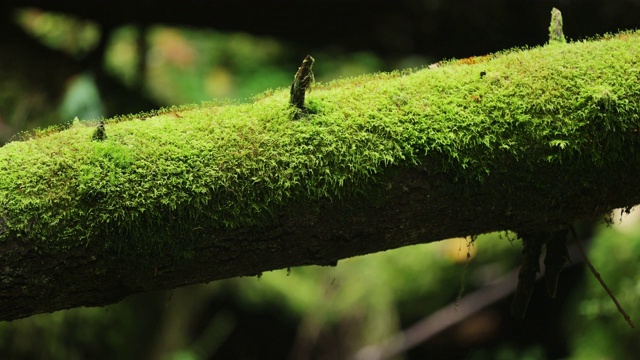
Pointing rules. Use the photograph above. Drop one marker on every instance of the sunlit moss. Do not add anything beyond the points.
(235, 165)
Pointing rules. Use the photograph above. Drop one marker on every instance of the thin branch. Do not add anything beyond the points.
(597, 276)
(442, 319)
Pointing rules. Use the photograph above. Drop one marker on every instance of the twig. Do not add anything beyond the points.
(597, 275)
(301, 84)
(447, 317)
(99, 134)
(441, 319)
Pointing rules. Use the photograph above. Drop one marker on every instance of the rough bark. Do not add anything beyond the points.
(412, 207)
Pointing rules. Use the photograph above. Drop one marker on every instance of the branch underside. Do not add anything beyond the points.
(411, 207)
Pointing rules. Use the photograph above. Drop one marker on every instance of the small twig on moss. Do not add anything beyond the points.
(301, 84)
(597, 276)
(100, 133)
(555, 29)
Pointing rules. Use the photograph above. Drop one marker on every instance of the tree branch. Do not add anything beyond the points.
(546, 137)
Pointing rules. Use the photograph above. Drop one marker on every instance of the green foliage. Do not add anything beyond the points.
(82, 99)
(615, 253)
(74, 335)
(56, 30)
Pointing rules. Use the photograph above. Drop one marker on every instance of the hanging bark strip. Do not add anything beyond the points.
(555, 259)
(527, 276)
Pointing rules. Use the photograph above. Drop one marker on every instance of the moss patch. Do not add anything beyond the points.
(157, 177)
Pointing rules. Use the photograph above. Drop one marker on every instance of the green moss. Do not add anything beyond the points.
(159, 177)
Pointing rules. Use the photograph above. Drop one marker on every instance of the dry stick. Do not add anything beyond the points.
(597, 275)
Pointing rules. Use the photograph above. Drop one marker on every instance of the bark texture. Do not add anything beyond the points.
(412, 207)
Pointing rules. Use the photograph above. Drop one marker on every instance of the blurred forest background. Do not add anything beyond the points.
(66, 59)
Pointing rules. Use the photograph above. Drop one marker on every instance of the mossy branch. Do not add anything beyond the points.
(527, 140)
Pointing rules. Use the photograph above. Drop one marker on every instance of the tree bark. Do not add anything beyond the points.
(527, 141)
